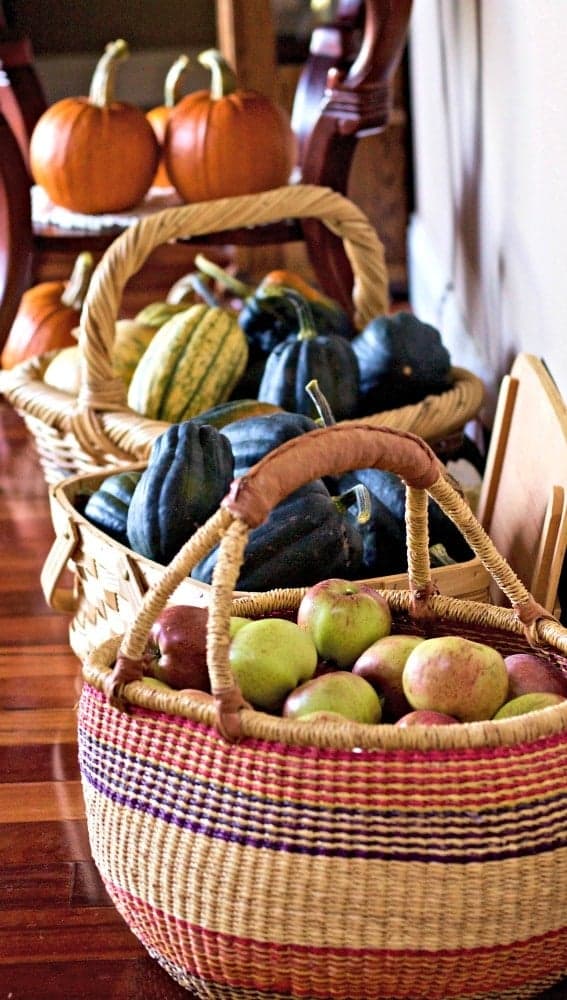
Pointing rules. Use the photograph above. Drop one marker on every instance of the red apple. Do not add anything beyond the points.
(456, 676)
(176, 652)
(343, 618)
(382, 664)
(529, 673)
(422, 717)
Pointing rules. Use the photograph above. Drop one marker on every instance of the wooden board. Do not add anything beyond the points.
(523, 499)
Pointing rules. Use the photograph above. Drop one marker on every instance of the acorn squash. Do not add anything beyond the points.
(308, 355)
(253, 437)
(189, 472)
(267, 320)
(401, 361)
(304, 539)
(107, 507)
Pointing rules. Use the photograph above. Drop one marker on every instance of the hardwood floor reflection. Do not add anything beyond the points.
(60, 936)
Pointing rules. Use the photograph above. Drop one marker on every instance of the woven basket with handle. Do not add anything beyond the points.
(97, 428)
(260, 856)
(110, 580)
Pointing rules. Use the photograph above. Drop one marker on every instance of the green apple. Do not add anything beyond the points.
(340, 692)
(531, 702)
(456, 676)
(269, 657)
(236, 623)
(382, 664)
(343, 618)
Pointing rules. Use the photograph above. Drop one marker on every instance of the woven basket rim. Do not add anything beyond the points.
(257, 725)
(25, 388)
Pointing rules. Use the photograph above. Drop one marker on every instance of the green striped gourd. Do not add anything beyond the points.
(131, 338)
(193, 362)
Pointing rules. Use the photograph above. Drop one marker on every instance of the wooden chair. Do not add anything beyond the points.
(343, 93)
(16, 242)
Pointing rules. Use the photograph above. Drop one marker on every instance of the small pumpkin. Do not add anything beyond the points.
(227, 140)
(189, 472)
(47, 314)
(158, 117)
(308, 355)
(95, 154)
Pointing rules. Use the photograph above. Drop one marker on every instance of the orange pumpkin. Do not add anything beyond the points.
(47, 315)
(158, 117)
(226, 140)
(94, 154)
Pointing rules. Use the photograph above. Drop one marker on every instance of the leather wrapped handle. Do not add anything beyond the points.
(329, 451)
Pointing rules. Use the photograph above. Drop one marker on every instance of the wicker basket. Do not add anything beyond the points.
(110, 580)
(256, 856)
(97, 429)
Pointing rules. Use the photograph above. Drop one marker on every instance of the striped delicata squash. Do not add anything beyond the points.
(193, 362)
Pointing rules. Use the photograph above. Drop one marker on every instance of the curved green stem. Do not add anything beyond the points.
(101, 91)
(358, 495)
(217, 273)
(223, 77)
(78, 283)
(307, 329)
(320, 402)
(172, 85)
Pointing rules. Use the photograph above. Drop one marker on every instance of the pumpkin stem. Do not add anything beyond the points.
(217, 273)
(172, 85)
(439, 556)
(223, 77)
(102, 83)
(78, 283)
(307, 329)
(321, 403)
(358, 495)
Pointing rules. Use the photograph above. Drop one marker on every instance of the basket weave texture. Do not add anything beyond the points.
(110, 580)
(97, 428)
(259, 856)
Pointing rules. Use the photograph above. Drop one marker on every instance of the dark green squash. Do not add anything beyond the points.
(267, 320)
(253, 437)
(384, 550)
(306, 538)
(401, 361)
(308, 355)
(107, 507)
(189, 472)
(391, 491)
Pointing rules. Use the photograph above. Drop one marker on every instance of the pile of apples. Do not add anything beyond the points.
(340, 659)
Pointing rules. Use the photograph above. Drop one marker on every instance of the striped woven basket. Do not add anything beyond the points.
(256, 856)
(97, 429)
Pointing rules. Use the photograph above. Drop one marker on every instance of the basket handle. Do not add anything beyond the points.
(327, 451)
(100, 390)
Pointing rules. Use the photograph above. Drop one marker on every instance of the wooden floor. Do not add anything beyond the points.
(60, 936)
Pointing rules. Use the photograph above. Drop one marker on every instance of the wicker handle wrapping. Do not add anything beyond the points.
(100, 390)
(328, 451)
